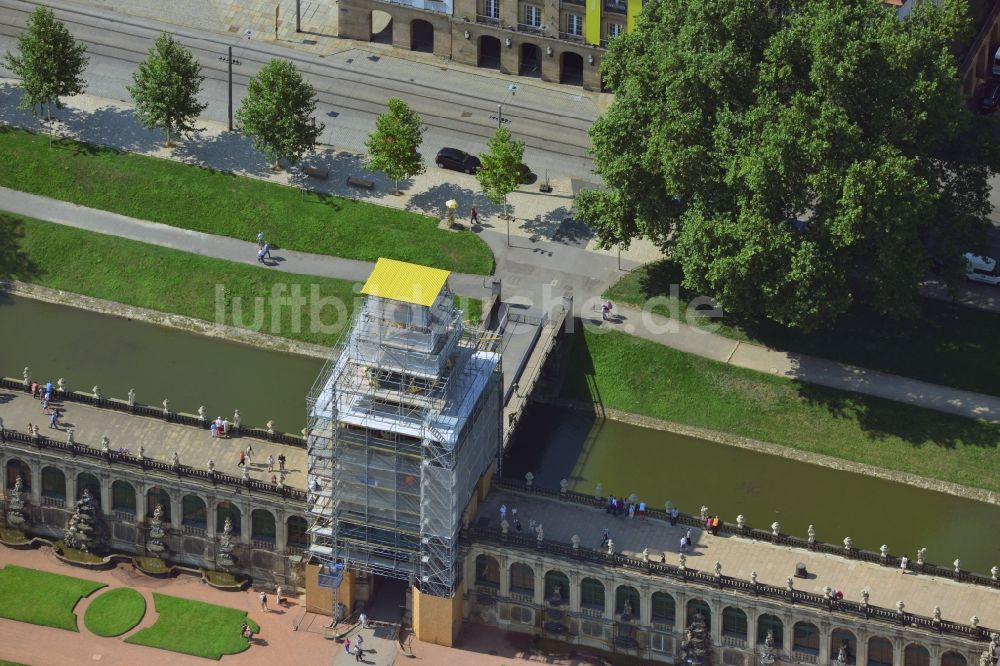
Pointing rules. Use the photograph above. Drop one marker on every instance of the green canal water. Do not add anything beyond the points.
(87, 348)
(657, 466)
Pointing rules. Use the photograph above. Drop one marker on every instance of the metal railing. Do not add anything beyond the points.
(488, 20)
(570, 36)
(532, 29)
(616, 7)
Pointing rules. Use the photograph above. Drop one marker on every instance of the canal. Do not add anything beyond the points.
(88, 348)
(555, 443)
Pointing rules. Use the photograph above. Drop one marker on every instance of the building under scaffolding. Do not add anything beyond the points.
(402, 425)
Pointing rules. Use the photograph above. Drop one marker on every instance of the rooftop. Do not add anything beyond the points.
(740, 556)
(406, 282)
(194, 446)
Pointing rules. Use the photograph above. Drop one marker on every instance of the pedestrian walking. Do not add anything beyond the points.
(363, 618)
(642, 509)
(503, 512)
(263, 601)
(214, 430)
(607, 536)
(358, 653)
(250, 453)
(278, 597)
(904, 562)
(260, 255)
(474, 216)
(673, 516)
(270, 463)
(281, 462)
(260, 240)
(684, 544)
(243, 459)
(267, 250)
(689, 536)
(34, 390)
(358, 641)
(54, 418)
(604, 311)
(45, 406)
(631, 510)
(274, 480)
(347, 646)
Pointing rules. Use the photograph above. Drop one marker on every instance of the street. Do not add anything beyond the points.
(352, 87)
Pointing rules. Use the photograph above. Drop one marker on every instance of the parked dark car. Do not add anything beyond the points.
(991, 97)
(457, 160)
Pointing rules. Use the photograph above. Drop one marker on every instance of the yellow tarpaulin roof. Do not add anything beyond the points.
(402, 281)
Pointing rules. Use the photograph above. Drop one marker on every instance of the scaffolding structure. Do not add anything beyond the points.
(402, 423)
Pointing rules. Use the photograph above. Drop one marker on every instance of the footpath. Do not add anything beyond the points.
(543, 258)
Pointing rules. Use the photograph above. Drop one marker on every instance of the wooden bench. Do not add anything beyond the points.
(361, 182)
(315, 172)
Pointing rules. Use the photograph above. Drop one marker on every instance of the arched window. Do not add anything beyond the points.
(592, 594)
(627, 594)
(697, 606)
(952, 658)
(664, 609)
(734, 623)
(194, 512)
(556, 580)
(17, 468)
(262, 526)
(522, 579)
(917, 655)
(158, 496)
(123, 497)
(879, 651)
(298, 535)
(772, 623)
(843, 638)
(53, 483)
(89, 482)
(805, 638)
(225, 510)
(487, 571)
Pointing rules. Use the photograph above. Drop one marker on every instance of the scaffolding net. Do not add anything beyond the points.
(402, 423)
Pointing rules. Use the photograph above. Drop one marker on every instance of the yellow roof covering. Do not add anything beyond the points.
(402, 281)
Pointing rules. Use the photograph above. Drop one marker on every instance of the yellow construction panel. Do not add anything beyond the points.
(592, 22)
(634, 8)
(402, 281)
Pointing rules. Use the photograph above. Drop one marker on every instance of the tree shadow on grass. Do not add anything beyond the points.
(15, 263)
(880, 419)
(110, 126)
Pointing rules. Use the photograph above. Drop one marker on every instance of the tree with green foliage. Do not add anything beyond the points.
(277, 112)
(392, 147)
(50, 63)
(166, 88)
(795, 156)
(500, 172)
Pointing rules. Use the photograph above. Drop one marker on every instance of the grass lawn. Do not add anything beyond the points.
(205, 200)
(626, 373)
(39, 597)
(172, 281)
(194, 627)
(947, 344)
(115, 612)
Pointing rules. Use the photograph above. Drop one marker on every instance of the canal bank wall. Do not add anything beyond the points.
(599, 411)
(175, 321)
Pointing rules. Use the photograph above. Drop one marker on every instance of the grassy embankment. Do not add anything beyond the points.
(634, 375)
(214, 202)
(166, 280)
(947, 344)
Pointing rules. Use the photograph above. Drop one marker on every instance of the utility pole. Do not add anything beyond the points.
(499, 116)
(230, 88)
(298, 15)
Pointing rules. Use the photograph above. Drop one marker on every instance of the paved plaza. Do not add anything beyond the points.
(195, 446)
(739, 557)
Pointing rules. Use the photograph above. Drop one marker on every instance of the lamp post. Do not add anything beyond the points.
(451, 205)
(512, 90)
(248, 34)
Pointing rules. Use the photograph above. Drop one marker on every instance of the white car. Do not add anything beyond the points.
(981, 269)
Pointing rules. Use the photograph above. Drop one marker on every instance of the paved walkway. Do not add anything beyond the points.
(194, 446)
(739, 557)
(547, 256)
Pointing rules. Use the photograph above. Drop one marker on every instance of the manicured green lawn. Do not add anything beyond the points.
(176, 282)
(115, 612)
(194, 627)
(192, 197)
(947, 344)
(39, 597)
(634, 375)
